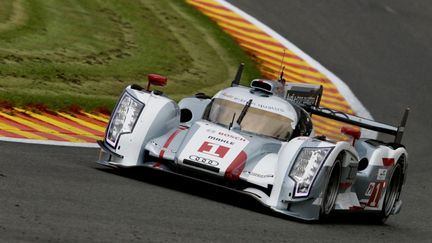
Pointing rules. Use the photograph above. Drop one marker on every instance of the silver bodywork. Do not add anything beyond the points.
(181, 138)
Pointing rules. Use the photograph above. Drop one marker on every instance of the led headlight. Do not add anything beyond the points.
(306, 167)
(124, 118)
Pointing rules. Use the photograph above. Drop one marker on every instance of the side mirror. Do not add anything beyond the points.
(352, 132)
(156, 79)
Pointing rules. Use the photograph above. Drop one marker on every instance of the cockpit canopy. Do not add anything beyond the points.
(267, 116)
(256, 120)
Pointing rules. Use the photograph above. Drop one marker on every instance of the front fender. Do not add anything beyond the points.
(158, 116)
(282, 197)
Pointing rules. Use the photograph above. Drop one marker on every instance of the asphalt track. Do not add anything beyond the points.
(381, 49)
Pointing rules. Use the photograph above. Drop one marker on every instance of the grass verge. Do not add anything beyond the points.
(64, 53)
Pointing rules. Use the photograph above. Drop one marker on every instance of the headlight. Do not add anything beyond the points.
(306, 167)
(124, 118)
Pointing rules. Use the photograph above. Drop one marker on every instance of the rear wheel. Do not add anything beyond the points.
(392, 194)
(331, 190)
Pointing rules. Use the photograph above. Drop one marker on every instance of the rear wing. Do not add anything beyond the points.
(396, 131)
(308, 96)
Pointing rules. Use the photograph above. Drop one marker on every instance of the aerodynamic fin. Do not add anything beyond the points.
(236, 81)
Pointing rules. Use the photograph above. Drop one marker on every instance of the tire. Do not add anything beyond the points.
(331, 190)
(391, 196)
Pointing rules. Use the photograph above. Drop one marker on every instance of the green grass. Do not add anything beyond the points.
(80, 52)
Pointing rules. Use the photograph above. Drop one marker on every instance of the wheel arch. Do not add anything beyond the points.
(401, 158)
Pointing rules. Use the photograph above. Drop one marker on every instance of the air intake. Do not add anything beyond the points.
(268, 86)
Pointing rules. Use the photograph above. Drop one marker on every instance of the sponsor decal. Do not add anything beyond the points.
(202, 160)
(209, 130)
(215, 144)
(299, 99)
(221, 140)
(202, 163)
(213, 149)
(254, 104)
(376, 194)
(230, 96)
(270, 108)
(258, 175)
(382, 173)
(227, 135)
(370, 188)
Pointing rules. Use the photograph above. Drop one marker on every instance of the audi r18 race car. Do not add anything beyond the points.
(260, 140)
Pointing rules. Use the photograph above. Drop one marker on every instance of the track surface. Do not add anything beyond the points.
(382, 50)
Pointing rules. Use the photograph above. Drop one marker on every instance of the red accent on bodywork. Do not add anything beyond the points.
(169, 141)
(354, 133)
(388, 161)
(157, 80)
(376, 194)
(373, 195)
(345, 185)
(355, 208)
(207, 148)
(236, 167)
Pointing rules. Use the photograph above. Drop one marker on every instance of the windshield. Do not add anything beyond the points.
(256, 121)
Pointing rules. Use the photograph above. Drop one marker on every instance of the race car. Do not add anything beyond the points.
(260, 140)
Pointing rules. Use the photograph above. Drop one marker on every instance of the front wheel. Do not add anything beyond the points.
(331, 190)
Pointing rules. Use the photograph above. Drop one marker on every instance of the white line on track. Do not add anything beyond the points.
(49, 142)
(353, 101)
